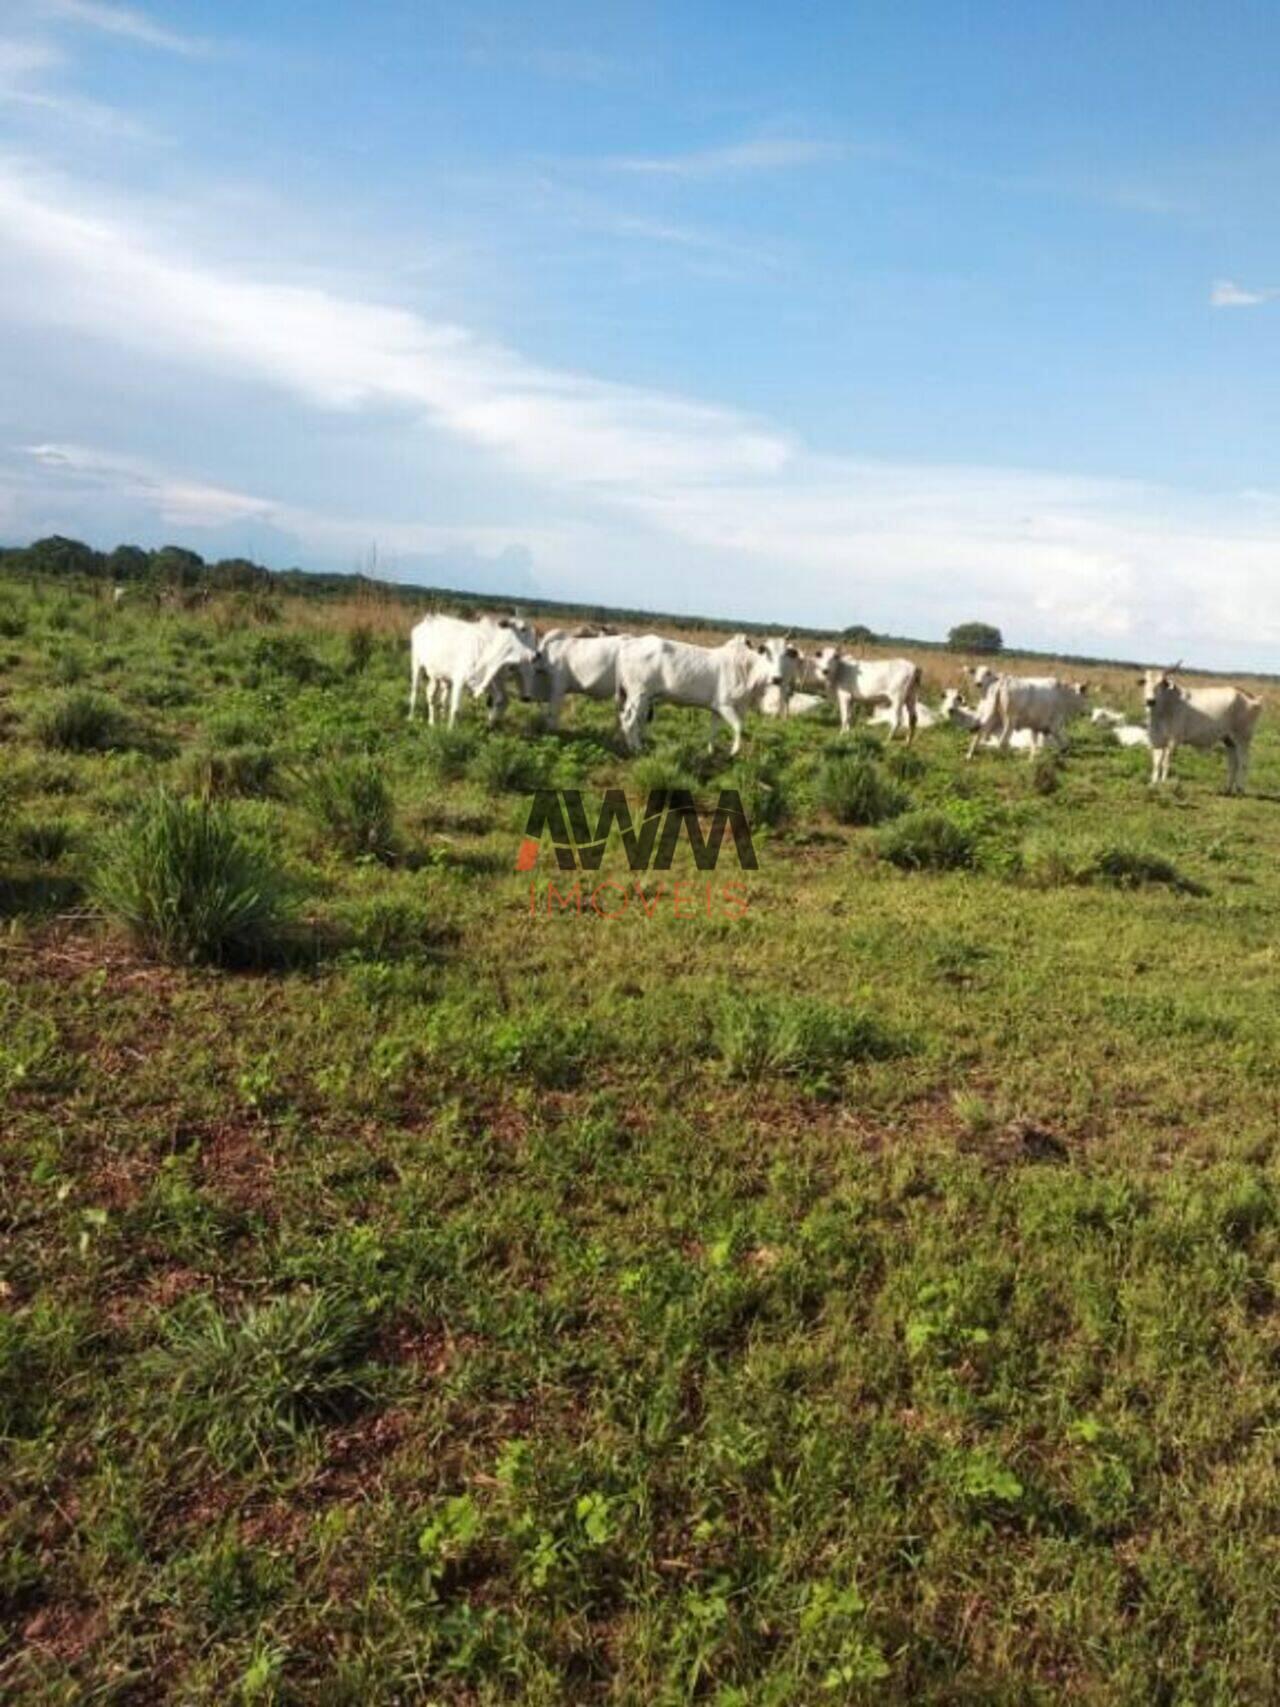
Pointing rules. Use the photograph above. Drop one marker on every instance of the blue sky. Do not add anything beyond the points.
(902, 314)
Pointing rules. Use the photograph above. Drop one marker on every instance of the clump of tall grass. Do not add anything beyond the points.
(42, 839)
(506, 763)
(927, 841)
(856, 791)
(243, 1388)
(186, 885)
(351, 801)
(252, 771)
(84, 722)
(447, 753)
(764, 1036)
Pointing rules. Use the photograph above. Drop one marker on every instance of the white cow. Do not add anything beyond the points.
(1105, 718)
(460, 657)
(774, 703)
(1199, 717)
(578, 660)
(1130, 735)
(953, 709)
(1041, 705)
(926, 717)
(851, 681)
(728, 680)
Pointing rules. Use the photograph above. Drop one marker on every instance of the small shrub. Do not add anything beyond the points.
(83, 722)
(361, 645)
(904, 764)
(764, 1036)
(856, 791)
(447, 753)
(67, 669)
(394, 925)
(1132, 868)
(244, 1388)
(927, 841)
(351, 800)
(1046, 772)
(661, 770)
(762, 790)
(248, 771)
(505, 762)
(184, 883)
(13, 624)
(286, 655)
(45, 840)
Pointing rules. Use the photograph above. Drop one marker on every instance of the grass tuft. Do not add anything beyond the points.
(856, 791)
(84, 722)
(186, 886)
(927, 841)
(350, 800)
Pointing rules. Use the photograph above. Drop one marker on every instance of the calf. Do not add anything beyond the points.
(578, 660)
(851, 681)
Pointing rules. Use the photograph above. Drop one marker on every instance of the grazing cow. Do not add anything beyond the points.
(1042, 705)
(728, 680)
(578, 660)
(1199, 717)
(867, 682)
(1105, 718)
(466, 657)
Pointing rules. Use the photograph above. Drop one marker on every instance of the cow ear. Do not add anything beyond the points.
(792, 652)
(504, 622)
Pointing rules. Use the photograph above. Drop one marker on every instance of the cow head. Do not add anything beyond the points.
(825, 662)
(521, 629)
(1158, 687)
(506, 651)
(981, 675)
(784, 661)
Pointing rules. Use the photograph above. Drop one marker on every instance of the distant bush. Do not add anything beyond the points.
(187, 887)
(856, 791)
(83, 722)
(765, 1036)
(975, 637)
(927, 841)
(351, 800)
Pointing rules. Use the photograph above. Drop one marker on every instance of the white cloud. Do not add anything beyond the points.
(1226, 294)
(634, 495)
(125, 22)
(765, 154)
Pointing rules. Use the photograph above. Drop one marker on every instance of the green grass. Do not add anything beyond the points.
(865, 1292)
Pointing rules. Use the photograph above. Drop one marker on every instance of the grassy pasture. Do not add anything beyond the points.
(406, 1298)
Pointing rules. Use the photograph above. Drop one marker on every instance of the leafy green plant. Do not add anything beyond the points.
(186, 885)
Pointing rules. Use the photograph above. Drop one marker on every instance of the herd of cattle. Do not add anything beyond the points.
(481, 657)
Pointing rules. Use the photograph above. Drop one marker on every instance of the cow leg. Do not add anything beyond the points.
(497, 701)
(711, 737)
(730, 715)
(455, 700)
(1242, 766)
(555, 701)
(413, 688)
(845, 702)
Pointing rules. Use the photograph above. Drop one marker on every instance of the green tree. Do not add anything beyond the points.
(975, 637)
